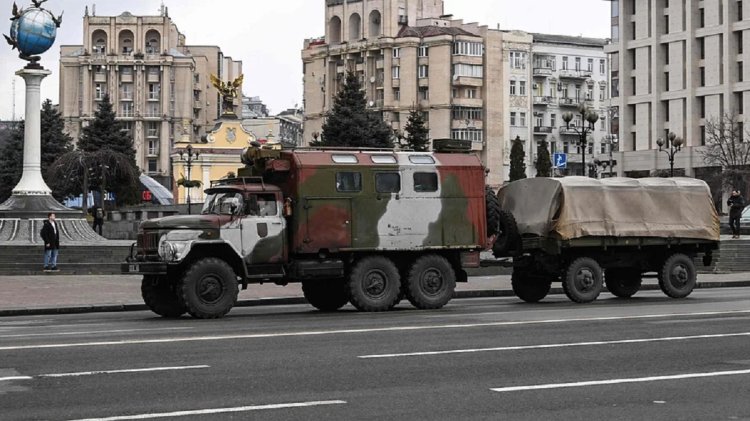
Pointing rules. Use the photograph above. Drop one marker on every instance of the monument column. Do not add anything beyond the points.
(32, 182)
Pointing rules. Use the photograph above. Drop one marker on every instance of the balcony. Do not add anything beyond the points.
(197, 86)
(572, 102)
(197, 105)
(542, 100)
(542, 129)
(575, 74)
(126, 114)
(543, 72)
(467, 124)
(151, 114)
(152, 133)
(467, 81)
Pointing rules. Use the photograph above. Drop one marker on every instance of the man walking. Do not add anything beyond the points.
(736, 204)
(51, 237)
(98, 213)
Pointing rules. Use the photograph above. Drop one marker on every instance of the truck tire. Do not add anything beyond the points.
(528, 287)
(326, 295)
(374, 284)
(583, 280)
(492, 206)
(677, 276)
(508, 238)
(162, 297)
(431, 282)
(623, 283)
(209, 288)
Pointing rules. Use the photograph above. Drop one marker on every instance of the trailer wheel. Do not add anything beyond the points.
(508, 239)
(677, 276)
(492, 205)
(529, 287)
(583, 280)
(209, 288)
(326, 295)
(162, 297)
(374, 284)
(623, 283)
(431, 282)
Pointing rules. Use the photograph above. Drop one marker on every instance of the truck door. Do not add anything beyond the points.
(263, 230)
(328, 224)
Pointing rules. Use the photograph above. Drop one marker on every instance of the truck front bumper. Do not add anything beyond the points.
(143, 268)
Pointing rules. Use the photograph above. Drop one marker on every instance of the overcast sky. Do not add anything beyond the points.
(267, 35)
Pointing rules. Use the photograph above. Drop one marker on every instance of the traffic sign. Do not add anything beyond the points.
(560, 160)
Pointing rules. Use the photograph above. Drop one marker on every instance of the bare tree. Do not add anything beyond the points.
(84, 171)
(728, 147)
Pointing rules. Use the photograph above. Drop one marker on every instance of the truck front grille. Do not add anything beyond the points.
(148, 243)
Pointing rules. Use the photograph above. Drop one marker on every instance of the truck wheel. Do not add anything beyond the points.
(374, 284)
(325, 295)
(431, 282)
(492, 205)
(161, 296)
(583, 280)
(678, 276)
(508, 237)
(209, 288)
(530, 288)
(623, 283)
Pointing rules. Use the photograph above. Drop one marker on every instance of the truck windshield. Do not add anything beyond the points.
(222, 204)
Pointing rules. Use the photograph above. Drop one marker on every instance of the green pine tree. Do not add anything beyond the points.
(417, 133)
(350, 123)
(543, 162)
(11, 161)
(105, 132)
(517, 164)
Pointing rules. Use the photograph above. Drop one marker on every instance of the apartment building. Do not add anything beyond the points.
(676, 65)
(471, 82)
(159, 86)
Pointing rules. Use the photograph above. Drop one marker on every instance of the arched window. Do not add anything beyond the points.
(375, 25)
(355, 27)
(125, 42)
(334, 30)
(99, 42)
(153, 42)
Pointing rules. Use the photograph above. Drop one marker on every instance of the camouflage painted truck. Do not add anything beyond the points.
(584, 232)
(362, 226)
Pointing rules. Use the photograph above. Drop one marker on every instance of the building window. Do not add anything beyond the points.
(396, 94)
(468, 70)
(152, 166)
(154, 91)
(512, 118)
(702, 18)
(702, 48)
(100, 90)
(565, 63)
(578, 64)
(467, 48)
(553, 120)
(522, 119)
(602, 67)
(126, 109)
(152, 128)
(471, 93)
(424, 71)
(702, 76)
(474, 135)
(518, 59)
(522, 87)
(512, 87)
(602, 93)
(396, 52)
(539, 121)
(454, 93)
(127, 128)
(423, 51)
(740, 47)
(153, 147)
(590, 65)
(395, 72)
(466, 113)
(424, 93)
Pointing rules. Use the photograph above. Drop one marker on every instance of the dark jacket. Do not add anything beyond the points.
(736, 204)
(50, 235)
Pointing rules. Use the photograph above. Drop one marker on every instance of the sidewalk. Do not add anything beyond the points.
(49, 294)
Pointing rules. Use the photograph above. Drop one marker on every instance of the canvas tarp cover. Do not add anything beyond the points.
(574, 207)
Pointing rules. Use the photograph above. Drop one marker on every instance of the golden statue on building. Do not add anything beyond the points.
(228, 91)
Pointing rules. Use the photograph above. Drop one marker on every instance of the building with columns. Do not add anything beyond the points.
(159, 86)
(676, 65)
(470, 81)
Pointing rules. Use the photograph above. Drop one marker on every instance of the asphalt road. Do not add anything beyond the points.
(647, 358)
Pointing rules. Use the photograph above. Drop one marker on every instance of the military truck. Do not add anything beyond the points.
(585, 233)
(351, 225)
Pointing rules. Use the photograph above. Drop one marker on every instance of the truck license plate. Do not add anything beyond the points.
(133, 268)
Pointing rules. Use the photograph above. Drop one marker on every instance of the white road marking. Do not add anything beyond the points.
(620, 381)
(355, 331)
(559, 345)
(216, 411)
(91, 332)
(8, 379)
(129, 370)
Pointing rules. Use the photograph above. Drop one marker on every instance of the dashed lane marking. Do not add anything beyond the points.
(560, 345)
(8, 379)
(129, 370)
(90, 332)
(620, 381)
(217, 411)
(356, 331)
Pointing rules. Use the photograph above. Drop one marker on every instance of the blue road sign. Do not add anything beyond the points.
(560, 160)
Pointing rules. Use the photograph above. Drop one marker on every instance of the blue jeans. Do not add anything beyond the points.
(50, 258)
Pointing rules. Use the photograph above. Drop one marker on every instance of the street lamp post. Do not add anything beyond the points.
(674, 145)
(188, 156)
(587, 116)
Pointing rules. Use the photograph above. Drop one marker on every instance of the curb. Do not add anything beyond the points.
(258, 302)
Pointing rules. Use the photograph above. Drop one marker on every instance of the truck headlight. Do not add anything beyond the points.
(173, 251)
